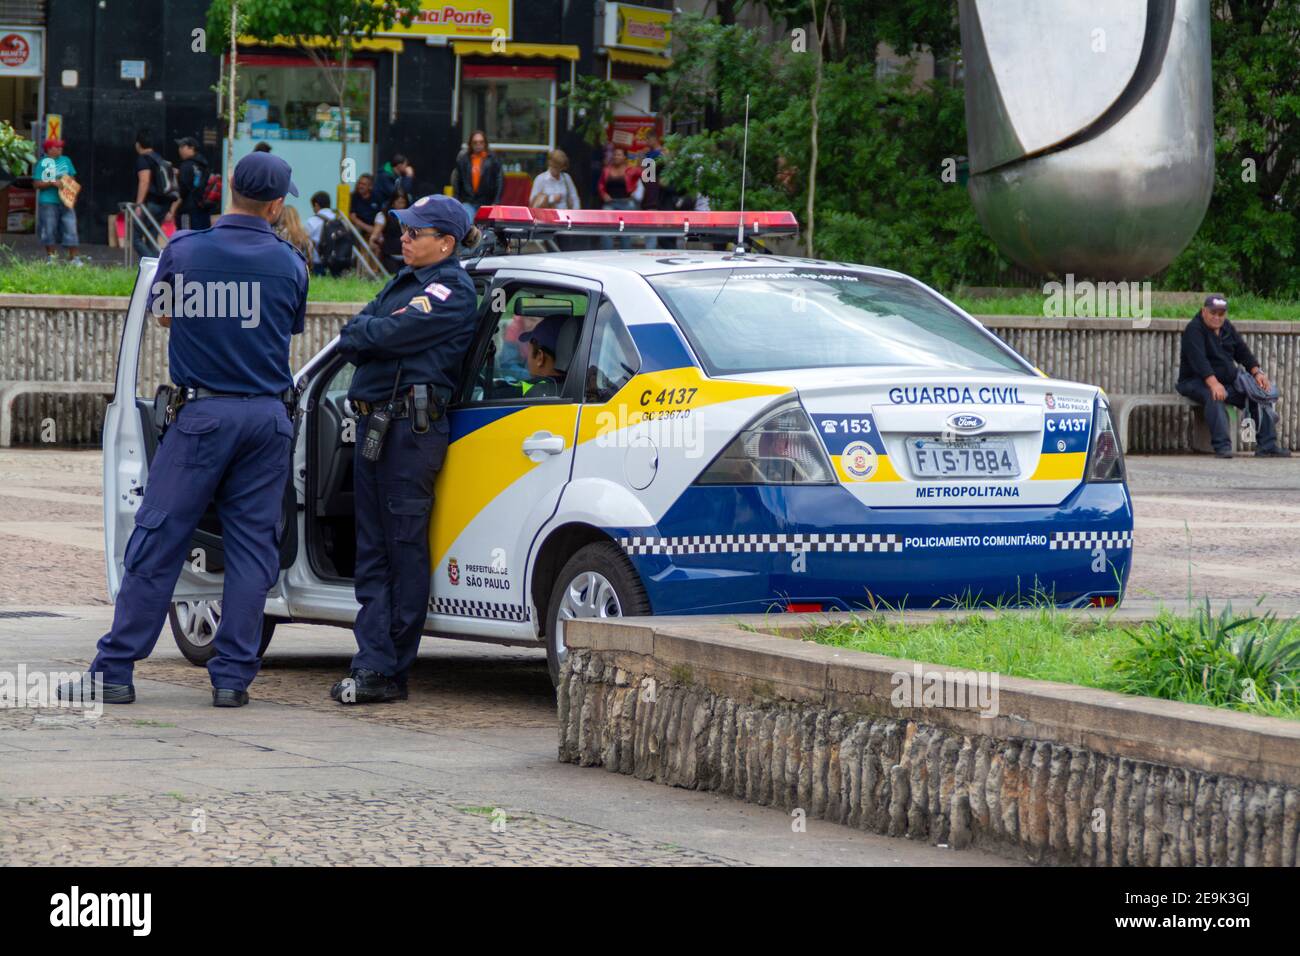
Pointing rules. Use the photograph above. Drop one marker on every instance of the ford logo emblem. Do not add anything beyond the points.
(966, 422)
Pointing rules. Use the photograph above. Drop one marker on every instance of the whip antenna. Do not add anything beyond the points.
(744, 165)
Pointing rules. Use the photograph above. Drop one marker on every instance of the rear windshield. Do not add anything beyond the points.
(763, 319)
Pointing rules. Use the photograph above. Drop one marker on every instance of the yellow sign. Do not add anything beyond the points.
(459, 20)
(54, 126)
(638, 28)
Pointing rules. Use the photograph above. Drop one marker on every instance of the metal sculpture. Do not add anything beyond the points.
(1090, 130)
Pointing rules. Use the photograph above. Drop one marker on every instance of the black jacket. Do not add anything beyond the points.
(196, 167)
(1204, 353)
(491, 181)
(425, 319)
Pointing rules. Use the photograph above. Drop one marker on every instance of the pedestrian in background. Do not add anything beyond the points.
(386, 236)
(189, 210)
(1217, 368)
(56, 220)
(228, 444)
(292, 231)
(155, 190)
(620, 188)
(396, 175)
(364, 205)
(478, 178)
(554, 189)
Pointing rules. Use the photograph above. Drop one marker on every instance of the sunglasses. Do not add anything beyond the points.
(413, 233)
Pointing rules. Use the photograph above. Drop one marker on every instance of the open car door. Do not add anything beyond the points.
(132, 430)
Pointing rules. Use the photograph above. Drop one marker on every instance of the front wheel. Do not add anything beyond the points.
(597, 582)
(194, 625)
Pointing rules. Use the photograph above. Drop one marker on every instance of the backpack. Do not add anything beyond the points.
(210, 200)
(164, 179)
(335, 245)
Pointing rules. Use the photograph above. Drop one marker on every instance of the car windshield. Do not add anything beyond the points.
(763, 319)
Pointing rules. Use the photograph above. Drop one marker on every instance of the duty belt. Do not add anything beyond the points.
(402, 406)
(193, 394)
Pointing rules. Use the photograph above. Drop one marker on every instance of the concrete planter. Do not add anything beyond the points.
(1061, 774)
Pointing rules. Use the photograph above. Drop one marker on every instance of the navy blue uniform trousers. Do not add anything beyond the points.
(394, 497)
(234, 451)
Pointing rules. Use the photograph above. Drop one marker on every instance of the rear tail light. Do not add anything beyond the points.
(1105, 458)
(803, 607)
(779, 448)
(1103, 600)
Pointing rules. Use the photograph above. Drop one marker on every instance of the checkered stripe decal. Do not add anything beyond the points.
(1075, 540)
(753, 543)
(488, 609)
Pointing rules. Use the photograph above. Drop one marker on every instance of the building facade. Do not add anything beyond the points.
(106, 69)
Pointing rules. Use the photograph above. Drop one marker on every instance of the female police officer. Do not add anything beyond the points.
(408, 345)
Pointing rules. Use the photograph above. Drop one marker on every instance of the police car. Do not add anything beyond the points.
(731, 432)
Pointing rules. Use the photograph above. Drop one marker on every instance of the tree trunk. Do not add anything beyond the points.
(233, 104)
(811, 230)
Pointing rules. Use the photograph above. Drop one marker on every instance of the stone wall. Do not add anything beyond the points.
(75, 338)
(1063, 775)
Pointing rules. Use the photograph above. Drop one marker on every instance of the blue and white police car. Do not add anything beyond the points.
(733, 432)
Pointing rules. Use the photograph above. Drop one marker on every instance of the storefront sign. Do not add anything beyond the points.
(459, 20)
(638, 28)
(21, 52)
(629, 132)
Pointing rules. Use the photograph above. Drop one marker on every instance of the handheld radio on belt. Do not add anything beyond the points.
(372, 446)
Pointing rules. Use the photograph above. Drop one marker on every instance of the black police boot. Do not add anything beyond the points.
(225, 697)
(1275, 452)
(84, 690)
(365, 687)
(1223, 453)
(403, 692)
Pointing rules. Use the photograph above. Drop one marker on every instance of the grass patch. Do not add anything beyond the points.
(1243, 308)
(1240, 662)
(40, 278)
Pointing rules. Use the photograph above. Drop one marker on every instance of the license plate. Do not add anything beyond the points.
(964, 458)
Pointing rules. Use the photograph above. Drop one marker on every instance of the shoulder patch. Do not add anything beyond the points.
(438, 291)
(422, 303)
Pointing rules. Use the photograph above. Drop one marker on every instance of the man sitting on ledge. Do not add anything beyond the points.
(1208, 374)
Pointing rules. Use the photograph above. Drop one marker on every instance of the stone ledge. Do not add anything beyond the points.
(722, 703)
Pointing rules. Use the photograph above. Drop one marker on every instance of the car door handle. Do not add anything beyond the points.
(540, 444)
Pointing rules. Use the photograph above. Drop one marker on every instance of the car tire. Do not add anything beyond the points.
(598, 581)
(194, 625)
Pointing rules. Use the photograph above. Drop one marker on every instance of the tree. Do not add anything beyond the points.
(878, 195)
(338, 23)
(594, 101)
(1250, 240)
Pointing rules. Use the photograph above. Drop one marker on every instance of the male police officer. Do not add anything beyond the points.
(408, 345)
(232, 296)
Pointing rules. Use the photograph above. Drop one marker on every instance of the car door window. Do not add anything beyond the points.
(512, 367)
(614, 358)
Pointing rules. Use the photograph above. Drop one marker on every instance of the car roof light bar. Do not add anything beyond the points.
(524, 222)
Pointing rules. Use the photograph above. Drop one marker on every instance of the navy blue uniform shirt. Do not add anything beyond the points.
(424, 318)
(236, 293)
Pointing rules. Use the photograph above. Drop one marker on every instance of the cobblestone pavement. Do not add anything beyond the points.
(406, 827)
(296, 779)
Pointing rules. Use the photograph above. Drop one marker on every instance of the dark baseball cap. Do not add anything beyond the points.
(546, 333)
(1216, 302)
(439, 212)
(263, 177)
(189, 141)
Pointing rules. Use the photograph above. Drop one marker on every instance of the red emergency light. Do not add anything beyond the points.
(522, 221)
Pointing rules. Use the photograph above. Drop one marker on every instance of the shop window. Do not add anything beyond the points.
(289, 99)
(514, 105)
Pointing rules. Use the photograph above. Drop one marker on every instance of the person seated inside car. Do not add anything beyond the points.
(544, 379)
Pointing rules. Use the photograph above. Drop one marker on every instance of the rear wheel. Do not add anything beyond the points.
(597, 582)
(194, 625)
